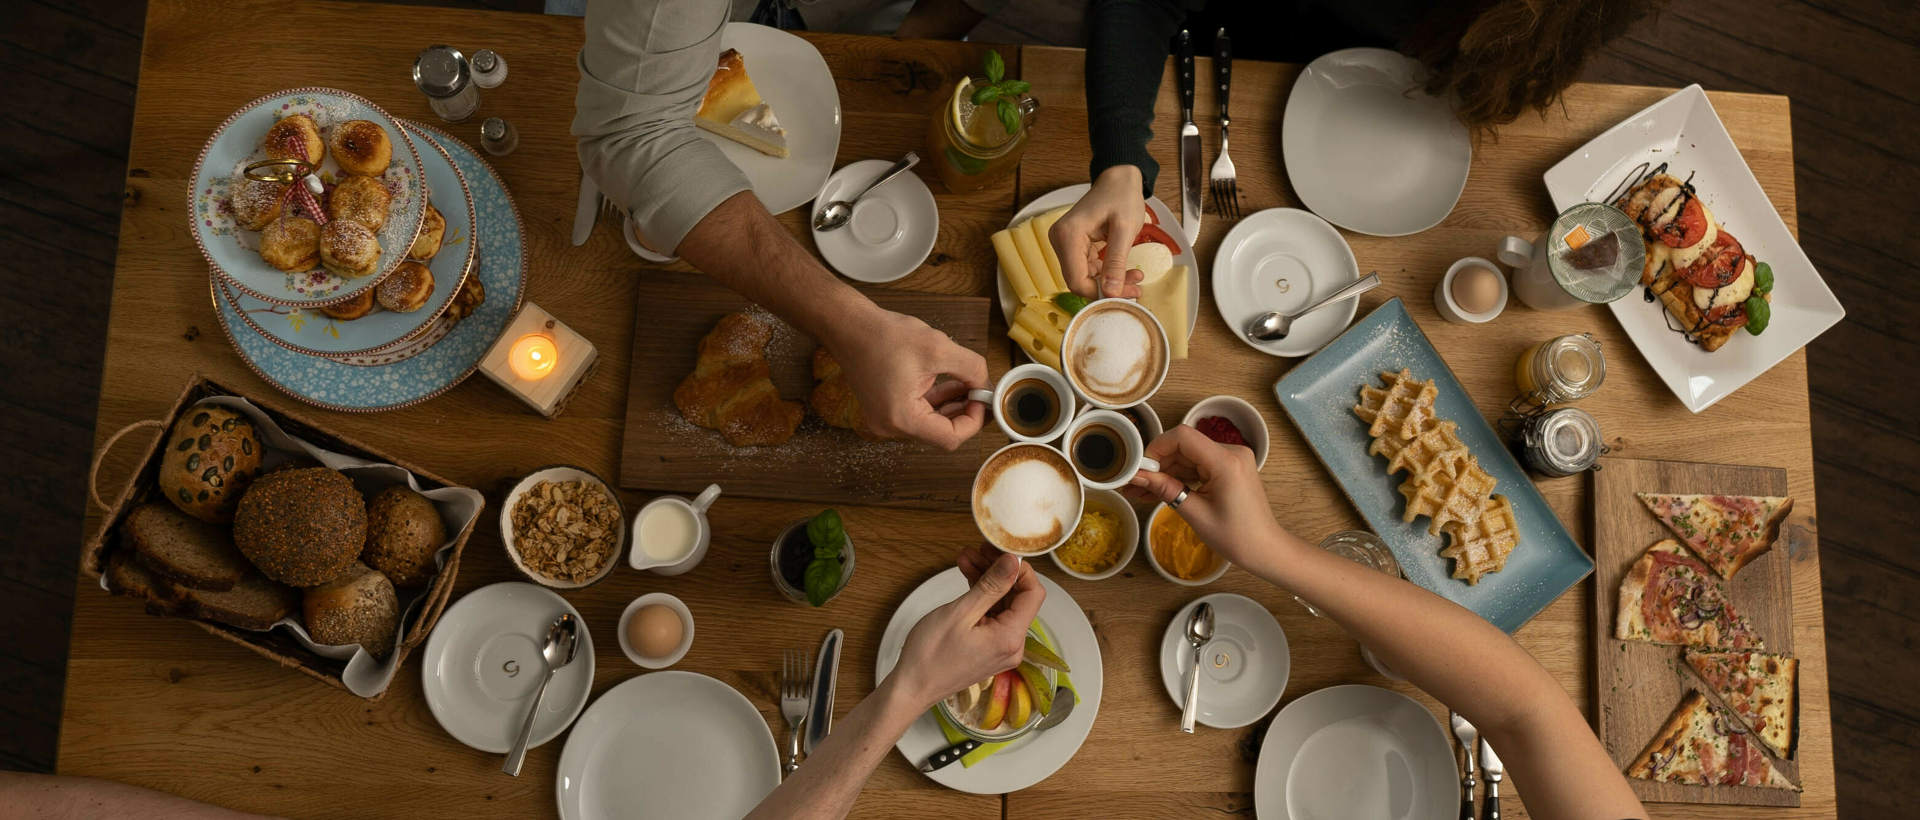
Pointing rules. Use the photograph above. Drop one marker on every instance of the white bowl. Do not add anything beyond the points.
(1253, 426)
(561, 473)
(1450, 310)
(1114, 504)
(1146, 539)
(686, 620)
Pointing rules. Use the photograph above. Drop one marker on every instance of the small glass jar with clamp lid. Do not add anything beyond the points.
(1562, 369)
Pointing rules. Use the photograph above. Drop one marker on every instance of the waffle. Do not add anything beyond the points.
(1438, 447)
(1482, 545)
(1447, 498)
(1402, 408)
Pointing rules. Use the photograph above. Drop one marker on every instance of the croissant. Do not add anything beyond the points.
(833, 397)
(729, 389)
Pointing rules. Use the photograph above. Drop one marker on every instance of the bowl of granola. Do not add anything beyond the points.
(563, 527)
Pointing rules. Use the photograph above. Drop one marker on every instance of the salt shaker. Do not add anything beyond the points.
(489, 69)
(442, 74)
(498, 136)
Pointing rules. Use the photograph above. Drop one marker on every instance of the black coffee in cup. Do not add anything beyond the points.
(1031, 407)
(1098, 452)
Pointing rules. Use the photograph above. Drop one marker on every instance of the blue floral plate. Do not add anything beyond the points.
(310, 331)
(234, 251)
(1319, 395)
(389, 384)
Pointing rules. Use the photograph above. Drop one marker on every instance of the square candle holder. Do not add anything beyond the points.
(572, 359)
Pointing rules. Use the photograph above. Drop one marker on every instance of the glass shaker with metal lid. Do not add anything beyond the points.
(1563, 369)
(442, 73)
(489, 69)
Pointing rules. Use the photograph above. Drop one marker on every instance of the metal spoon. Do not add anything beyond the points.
(1273, 326)
(562, 639)
(839, 211)
(1062, 706)
(1199, 632)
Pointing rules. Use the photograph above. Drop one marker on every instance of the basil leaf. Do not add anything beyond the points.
(986, 94)
(823, 575)
(1762, 278)
(1015, 87)
(1758, 314)
(1009, 116)
(1070, 302)
(826, 532)
(996, 67)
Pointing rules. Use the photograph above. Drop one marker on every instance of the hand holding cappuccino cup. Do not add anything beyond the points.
(1031, 403)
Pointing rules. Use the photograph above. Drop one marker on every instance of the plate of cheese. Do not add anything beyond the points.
(1030, 275)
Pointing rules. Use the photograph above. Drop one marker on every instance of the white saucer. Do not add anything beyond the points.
(1356, 751)
(1284, 259)
(667, 744)
(483, 663)
(892, 229)
(1246, 663)
(1367, 149)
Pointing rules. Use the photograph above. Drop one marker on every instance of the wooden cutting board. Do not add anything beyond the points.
(663, 451)
(1637, 684)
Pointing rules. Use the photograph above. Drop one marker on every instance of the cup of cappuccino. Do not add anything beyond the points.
(1105, 450)
(1026, 499)
(1032, 403)
(1114, 353)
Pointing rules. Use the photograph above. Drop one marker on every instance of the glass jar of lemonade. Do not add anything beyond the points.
(970, 144)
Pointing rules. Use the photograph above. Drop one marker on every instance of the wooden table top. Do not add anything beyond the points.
(157, 702)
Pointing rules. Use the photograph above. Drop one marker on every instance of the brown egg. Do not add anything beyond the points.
(655, 631)
(1476, 289)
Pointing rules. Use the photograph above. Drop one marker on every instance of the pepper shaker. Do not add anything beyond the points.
(489, 69)
(441, 73)
(499, 137)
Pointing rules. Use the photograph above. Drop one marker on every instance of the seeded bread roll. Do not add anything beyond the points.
(403, 532)
(359, 607)
(361, 148)
(184, 550)
(212, 453)
(301, 527)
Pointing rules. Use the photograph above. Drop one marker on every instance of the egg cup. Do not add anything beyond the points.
(679, 651)
(1451, 310)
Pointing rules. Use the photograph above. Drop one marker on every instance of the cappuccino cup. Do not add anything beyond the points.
(1031, 403)
(1115, 354)
(1105, 450)
(1027, 499)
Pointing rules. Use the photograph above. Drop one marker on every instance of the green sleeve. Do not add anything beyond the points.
(1127, 47)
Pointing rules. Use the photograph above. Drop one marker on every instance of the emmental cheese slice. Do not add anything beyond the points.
(1019, 278)
(1043, 277)
(1035, 348)
(1167, 300)
(1042, 233)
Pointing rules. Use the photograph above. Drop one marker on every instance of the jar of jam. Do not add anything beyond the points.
(1559, 443)
(1563, 369)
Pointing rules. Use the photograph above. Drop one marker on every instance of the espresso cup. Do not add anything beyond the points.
(1031, 403)
(1027, 499)
(1105, 450)
(1115, 354)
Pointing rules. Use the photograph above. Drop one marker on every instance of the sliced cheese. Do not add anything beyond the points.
(1167, 300)
(1732, 293)
(1034, 318)
(1014, 268)
(1042, 233)
(1685, 257)
(1152, 259)
(1043, 276)
(1035, 348)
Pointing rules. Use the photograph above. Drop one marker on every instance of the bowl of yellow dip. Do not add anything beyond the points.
(1105, 540)
(1177, 553)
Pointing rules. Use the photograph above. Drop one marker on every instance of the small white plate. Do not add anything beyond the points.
(1684, 132)
(792, 77)
(1284, 259)
(1246, 417)
(1367, 149)
(1116, 505)
(686, 623)
(1039, 754)
(892, 229)
(483, 663)
(667, 744)
(1356, 751)
(1245, 665)
(1071, 194)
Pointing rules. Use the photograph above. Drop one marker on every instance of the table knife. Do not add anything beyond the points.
(1490, 763)
(586, 210)
(1469, 737)
(1191, 176)
(826, 673)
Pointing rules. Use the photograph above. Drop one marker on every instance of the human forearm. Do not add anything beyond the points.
(1126, 55)
(826, 785)
(45, 797)
(743, 247)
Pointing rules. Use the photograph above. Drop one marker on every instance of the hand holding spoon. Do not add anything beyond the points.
(562, 639)
(1273, 326)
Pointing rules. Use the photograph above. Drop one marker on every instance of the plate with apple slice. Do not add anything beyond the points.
(1029, 275)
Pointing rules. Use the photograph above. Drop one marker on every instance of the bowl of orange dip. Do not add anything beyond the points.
(1177, 553)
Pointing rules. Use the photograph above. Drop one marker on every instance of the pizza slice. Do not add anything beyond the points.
(1668, 597)
(1726, 531)
(1761, 687)
(1701, 745)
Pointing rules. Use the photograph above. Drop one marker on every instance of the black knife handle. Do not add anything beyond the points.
(1184, 70)
(945, 757)
(1493, 805)
(1223, 69)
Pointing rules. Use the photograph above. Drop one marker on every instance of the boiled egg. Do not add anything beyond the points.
(1476, 289)
(655, 631)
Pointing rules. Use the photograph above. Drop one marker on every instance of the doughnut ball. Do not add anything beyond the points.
(349, 249)
(256, 203)
(351, 309)
(291, 243)
(407, 288)
(305, 146)
(361, 148)
(432, 229)
(360, 199)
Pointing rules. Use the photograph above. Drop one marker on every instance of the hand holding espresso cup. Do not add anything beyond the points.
(1031, 403)
(1226, 503)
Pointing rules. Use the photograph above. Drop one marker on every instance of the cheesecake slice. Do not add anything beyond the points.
(733, 109)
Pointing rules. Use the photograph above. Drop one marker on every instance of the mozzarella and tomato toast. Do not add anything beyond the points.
(1700, 271)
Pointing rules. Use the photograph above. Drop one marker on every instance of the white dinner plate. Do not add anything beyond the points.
(892, 229)
(1245, 665)
(792, 77)
(667, 744)
(1284, 259)
(1356, 751)
(483, 663)
(1009, 302)
(1367, 149)
(1684, 132)
(1039, 754)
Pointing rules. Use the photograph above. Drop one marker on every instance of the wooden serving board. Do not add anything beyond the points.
(1637, 684)
(661, 450)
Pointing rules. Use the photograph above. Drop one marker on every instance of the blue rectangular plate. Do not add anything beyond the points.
(1319, 395)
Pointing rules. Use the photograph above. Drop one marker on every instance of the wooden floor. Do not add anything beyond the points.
(1848, 65)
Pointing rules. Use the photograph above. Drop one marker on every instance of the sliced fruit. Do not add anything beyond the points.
(1036, 682)
(998, 700)
(1021, 710)
(1038, 654)
(967, 698)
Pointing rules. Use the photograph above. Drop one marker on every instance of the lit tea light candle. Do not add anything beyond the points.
(533, 357)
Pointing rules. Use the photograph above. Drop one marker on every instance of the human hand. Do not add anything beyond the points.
(894, 362)
(1226, 503)
(983, 632)
(1111, 212)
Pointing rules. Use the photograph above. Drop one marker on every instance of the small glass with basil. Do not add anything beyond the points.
(812, 560)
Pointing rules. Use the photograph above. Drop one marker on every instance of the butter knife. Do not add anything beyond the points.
(1469, 738)
(586, 210)
(1490, 763)
(826, 674)
(1191, 176)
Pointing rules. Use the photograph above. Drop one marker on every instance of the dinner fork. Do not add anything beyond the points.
(1226, 193)
(796, 686)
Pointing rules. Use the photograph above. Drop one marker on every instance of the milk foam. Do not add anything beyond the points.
(1110, 351)
(1031, 499)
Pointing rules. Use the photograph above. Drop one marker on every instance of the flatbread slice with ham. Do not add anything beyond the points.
(1669, 597)
(1702, 745)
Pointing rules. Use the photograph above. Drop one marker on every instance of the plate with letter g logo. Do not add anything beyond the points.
(483, 664)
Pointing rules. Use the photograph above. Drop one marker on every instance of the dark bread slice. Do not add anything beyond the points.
(184, 550)
(255, 603)
(130, 578)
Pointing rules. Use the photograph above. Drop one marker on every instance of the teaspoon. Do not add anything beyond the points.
(839, 211)
(562, 639)
(1273, 326)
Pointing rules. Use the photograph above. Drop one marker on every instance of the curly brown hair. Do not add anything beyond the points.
(1498, 58)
